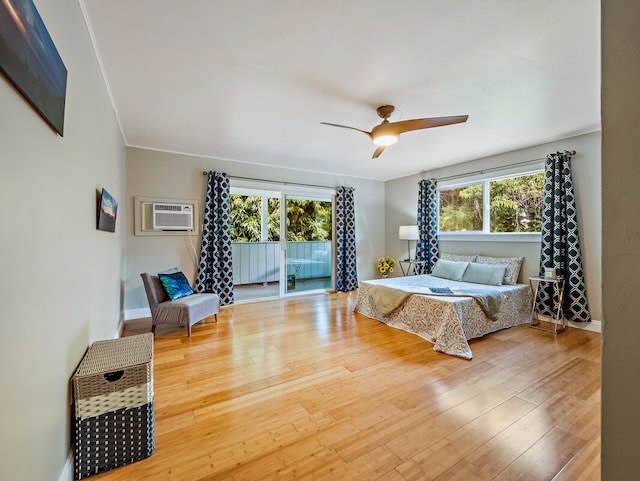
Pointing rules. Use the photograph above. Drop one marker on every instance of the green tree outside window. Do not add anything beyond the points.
(515, 205)
(307, 220)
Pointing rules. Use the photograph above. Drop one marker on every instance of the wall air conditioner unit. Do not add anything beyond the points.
(172, 216)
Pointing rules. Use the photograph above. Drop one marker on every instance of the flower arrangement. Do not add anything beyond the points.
(385, 265)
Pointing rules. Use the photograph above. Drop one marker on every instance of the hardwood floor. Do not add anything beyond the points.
(305, 389)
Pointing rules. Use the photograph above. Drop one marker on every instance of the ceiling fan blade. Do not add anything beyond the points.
(346, 127)
(397, 128)
(378, 151)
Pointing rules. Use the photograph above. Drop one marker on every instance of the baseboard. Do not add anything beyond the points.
(67, 470)
(120, 328)
(137, 313)
(594, 325)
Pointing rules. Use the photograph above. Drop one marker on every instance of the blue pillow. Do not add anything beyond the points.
(449, 269)
(490, 274)
(176, 285)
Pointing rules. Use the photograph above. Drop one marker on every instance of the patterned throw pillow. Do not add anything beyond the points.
(176, 285)
(457, 257)
(513, 266)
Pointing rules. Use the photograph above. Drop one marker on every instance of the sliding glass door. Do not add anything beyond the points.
(308, 247)
(255, 243)
(282, 241)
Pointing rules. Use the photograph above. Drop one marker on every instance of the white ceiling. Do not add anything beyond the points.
(251, 80)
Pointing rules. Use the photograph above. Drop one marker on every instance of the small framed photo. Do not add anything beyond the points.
(107, 212)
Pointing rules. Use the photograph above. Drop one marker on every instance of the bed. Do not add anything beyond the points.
(447, 321)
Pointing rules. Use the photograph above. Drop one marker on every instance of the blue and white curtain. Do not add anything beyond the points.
(215, 269)
(427, 245)
(560, 246)
(346, 271)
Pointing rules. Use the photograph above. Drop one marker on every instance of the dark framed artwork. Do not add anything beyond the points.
(30, 61)
(107, 212)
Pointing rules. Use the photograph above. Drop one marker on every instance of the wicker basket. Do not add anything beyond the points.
(113, 404)
(113, 439)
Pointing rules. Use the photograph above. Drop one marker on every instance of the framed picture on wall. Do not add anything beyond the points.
(30, 60)
(107, 212)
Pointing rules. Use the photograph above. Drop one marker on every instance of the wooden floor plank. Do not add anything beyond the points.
(585, 466)
(506, 447)
(433, 461)
(415, 439)
(544, 459)
(306, 389)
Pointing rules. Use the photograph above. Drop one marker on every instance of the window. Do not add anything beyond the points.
(256, 218)
(308, 219)
(461, 208)
(247, 218)
(496, 205)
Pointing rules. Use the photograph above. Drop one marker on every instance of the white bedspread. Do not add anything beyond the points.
(447, 322)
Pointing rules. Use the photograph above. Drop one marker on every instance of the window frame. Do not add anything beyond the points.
(265, 189)
(264, 208)
(485, 178)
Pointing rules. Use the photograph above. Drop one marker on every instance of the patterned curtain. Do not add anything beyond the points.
(427, 245)
(215, 269)
(346, 270)
(560, 246)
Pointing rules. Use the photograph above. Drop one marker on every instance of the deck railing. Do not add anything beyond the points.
(257, 262)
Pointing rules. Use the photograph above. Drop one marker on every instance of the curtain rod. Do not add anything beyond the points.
(275, 181)
(494, 169)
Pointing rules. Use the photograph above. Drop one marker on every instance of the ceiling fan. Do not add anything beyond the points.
(387, 132)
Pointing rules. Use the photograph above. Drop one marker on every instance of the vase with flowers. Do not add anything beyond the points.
(385, 266)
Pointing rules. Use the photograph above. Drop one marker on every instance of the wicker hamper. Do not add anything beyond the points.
(113, 405)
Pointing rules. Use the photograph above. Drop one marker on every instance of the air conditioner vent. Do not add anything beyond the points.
(172, 216)
(170, 207)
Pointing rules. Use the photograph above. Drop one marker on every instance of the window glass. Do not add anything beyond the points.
(461, 209)
(274, 219)
(308, 220)
(246, 214)
(516, 203)
(513, 205)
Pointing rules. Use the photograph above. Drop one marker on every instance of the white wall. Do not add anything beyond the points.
(621, 239)
(60, 287)
(402, 199)
(168, 175)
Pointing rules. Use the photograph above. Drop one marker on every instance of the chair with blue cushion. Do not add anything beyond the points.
(186, 309)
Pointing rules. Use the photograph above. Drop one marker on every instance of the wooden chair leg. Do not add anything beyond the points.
(188, 330)
(216, 316)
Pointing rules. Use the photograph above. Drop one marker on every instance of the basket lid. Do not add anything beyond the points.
(114, 354)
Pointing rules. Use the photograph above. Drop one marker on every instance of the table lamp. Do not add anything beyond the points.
(408, 233)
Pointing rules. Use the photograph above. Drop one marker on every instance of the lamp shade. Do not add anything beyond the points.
(408, 232)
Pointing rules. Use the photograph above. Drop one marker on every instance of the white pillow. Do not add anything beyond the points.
(449, 269)
(490, 274)
(513, 266)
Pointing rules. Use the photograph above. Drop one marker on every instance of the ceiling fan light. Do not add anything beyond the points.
(384, 140)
